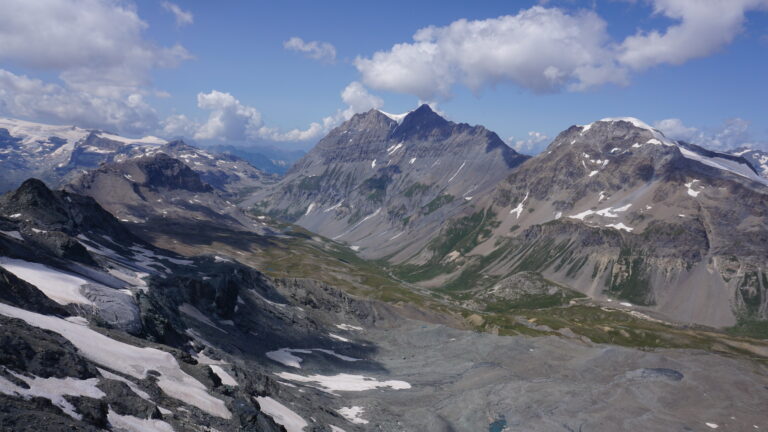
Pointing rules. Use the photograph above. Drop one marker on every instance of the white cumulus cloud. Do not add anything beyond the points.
(98, 50)
(534, 143)
(22, 96)
(317, 50)
(182, 17)
(542, 49)
(704, 27)
(548, 49)
(231, 120)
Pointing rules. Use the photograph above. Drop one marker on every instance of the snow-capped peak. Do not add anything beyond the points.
(145, 140)
(396, 117)
(658, 135)
(30, 132)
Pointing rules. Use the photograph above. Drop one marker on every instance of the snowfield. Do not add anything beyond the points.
(127, 359)
(63, 288)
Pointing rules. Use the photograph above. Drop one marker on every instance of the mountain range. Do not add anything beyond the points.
(407, 273)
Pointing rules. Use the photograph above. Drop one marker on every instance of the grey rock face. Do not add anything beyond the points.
(384, 187)
(157, 188)
(615, 209)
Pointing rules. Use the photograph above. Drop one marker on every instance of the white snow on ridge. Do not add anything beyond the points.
(127, 359)
(659, 137)
(281, 414)
(373, 163)
(345, 382)
(396, 117)
(724, 164)
(61, 287)
(145, 140)
(412, 161)
(31, 132)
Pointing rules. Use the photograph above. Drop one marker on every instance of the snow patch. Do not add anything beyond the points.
(394, 148)
(349, 327)
(353, 414)
(457, 171)
(309, 209)
(593, 173)
(337, 337)
(134, 424)
(410, 162)
(519, 209)
(396, 117)
(373, 163)
(225, 377)
(692, 192)
(345, 382)
(109, 375)
(53, 389)
(61, 287)
(285, 356)
(620, 226)
(281, 414)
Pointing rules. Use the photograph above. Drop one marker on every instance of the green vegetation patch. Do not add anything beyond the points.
(436, 203)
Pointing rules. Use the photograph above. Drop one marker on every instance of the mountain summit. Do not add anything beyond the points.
(378, 183)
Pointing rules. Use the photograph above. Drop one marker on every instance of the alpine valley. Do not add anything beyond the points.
(408, 273)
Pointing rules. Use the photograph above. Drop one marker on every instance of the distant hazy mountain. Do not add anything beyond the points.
(266, 158)
(57, 154)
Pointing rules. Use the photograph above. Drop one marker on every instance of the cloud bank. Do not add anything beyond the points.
(550, 49)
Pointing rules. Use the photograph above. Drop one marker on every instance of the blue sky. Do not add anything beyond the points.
(224, 72)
